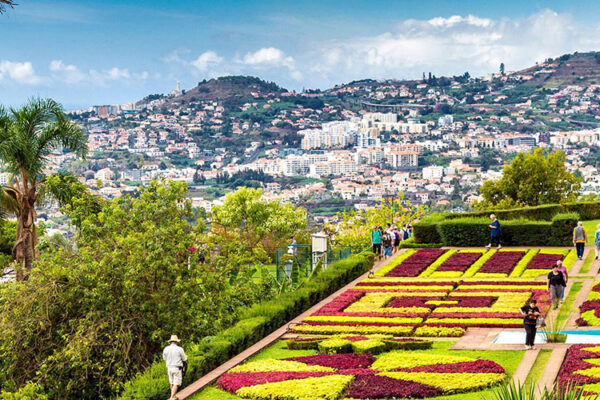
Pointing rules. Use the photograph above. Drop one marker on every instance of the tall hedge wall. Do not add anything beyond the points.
(586, 210)
(256, 322)
(470, 231)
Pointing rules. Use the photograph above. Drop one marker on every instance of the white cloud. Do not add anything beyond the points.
(207, 60)
(268, 57)
(452, 45)
(454, 20)
(68, 74)
(71, 75)
(19, 72)
(271, 57)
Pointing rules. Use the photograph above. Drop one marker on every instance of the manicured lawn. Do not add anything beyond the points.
(587, 263)
(508, 359)
(567, 307)
(538, 367)
(590, 227)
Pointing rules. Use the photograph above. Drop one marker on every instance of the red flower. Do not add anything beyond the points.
(337, 361)
(382, 387)
(502, 262)
(459, 261)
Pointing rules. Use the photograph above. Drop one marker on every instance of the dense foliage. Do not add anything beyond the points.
(531, 179)
(87, 320)
(355, 227)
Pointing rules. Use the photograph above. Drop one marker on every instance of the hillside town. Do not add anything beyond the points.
(435, 140)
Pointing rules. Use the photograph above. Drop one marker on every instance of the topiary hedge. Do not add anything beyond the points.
(465, 232)
(255, 323)
(547, 225)
(586, 210)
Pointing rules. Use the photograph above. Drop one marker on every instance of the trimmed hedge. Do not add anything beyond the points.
(547, 225)
(586, 210)
(411, 244)
(466, 232)
(256, 322)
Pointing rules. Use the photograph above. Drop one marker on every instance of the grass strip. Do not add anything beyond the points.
(538, 367)
(587, 263)
(567, 306)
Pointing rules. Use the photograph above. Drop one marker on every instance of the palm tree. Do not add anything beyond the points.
(27, 136)
(4, 3)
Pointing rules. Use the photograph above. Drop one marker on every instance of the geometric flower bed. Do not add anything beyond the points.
(581, 368)
(357, 344)
(397, 374)
(501, 263)
(425, 307)
(482, 263)
(590, 309)
(416, 263)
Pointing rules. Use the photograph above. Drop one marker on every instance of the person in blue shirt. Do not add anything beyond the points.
(597, 240)
(495, 231)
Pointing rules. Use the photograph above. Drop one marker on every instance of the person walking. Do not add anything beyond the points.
(563, 270)
(531, 313)
(175, 359)
(396, 239)
(376, 241)
(556, 284)
(597, 240)
(579, 239)
(386, 241)
(495, 231)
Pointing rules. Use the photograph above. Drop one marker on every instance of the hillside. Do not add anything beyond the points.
(228, 87)
(569, 69)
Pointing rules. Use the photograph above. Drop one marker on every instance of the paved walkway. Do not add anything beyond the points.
(212, 376)
(552, 367)
(524, 367)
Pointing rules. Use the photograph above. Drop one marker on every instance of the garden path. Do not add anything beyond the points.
(552, 368)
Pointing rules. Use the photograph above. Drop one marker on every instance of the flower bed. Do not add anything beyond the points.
(423, 307)
(416, 263)
(397, 374)
(459, 262)
(502, 262)
(580, 367)
(590, 309)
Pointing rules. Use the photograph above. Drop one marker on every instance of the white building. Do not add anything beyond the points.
(433, 172)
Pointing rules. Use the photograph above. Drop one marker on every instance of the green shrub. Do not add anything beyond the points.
(408, 345)
(410, 243)
(586, 210)
(562, 228)
(335, 346)
(257, 321)
(306, 344)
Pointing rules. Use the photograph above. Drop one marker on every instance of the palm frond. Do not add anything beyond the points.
(4, 3)
(9, 200)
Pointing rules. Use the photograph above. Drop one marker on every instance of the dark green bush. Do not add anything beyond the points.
(256, 322)
(412, 244)
(562, 228)
(467, 232)
(586, 210)
(408, 345)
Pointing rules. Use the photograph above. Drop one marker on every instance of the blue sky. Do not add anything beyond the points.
(89, 52)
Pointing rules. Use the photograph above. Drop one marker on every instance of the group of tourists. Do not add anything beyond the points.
(387, 242)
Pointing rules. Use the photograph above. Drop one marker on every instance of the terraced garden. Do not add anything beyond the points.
(394, 334)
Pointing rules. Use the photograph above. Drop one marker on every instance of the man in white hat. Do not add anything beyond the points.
(174, 356)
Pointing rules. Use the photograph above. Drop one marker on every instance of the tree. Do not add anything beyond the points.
(531, 179)
(4, 3)
(355, 227)
(87, 320)
(502, 69)
(245, 224)
(27, 136)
